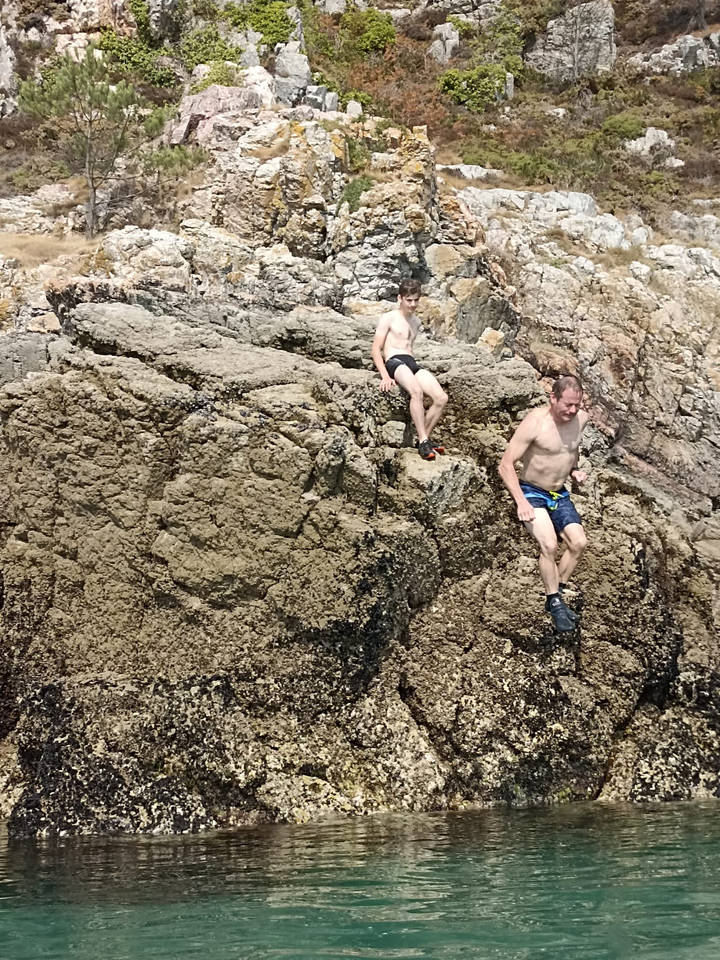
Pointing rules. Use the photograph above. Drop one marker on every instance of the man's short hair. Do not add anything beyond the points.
(568, 381)
(409, 287)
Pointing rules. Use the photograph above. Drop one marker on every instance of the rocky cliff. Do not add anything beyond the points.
(232, 591)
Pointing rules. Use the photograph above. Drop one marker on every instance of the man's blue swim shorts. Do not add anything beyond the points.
(558, 504)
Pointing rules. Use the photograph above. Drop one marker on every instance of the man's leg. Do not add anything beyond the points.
(439, 398)
(542, 529)
(576, 541)
(409, 382)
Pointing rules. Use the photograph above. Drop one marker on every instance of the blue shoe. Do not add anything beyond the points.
(563, 618)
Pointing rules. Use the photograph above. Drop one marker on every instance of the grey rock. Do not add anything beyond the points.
(445, 44)
(8, 85)
(685, 55)
(315, 96)
(292, 75)
(579, 43)
(165, 17)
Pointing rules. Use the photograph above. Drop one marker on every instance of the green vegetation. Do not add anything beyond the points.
(623, 126)
(465, 30)
(268, 17)
(133, 59)
(205, 45)
(99, 120)
(141, 15)
(358, 154)
(365, 32)
(534, 15)
(476, 88)
(224, 74)
(354, 190)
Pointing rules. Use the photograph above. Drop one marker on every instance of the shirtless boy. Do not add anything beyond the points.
(548, 444)
(392, 353)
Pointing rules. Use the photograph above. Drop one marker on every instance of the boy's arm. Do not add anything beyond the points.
(386, 382)
(515, 450)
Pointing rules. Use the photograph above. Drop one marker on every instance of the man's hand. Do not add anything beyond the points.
(525, 511)
(386, 384)
(579, 476)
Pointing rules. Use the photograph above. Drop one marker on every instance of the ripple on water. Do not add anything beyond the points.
(584, 882)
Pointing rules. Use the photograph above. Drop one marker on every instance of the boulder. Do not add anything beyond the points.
(687, 54)
(655, 147)
(256, 93)
(579, 43)
(8, 85)
(292, 74)
(445, 44)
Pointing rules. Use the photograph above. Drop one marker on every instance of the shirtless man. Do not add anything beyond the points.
(392, 354)
(548, 443)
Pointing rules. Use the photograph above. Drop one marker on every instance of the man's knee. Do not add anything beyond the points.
(548, 547)
(577, 541)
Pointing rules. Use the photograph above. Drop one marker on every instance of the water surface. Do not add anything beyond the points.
(583, 882)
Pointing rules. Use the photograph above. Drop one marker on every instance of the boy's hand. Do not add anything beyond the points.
(386, 384)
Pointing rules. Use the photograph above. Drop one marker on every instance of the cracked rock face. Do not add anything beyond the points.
(233, 594)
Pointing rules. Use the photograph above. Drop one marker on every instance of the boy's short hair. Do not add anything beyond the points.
(409, 287)
(568, 381)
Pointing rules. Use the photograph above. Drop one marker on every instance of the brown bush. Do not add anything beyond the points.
(416, 30)
(653, 22)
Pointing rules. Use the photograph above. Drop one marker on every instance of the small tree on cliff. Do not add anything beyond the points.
(97, 121)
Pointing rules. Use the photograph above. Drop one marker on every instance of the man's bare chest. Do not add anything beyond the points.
(554, 441)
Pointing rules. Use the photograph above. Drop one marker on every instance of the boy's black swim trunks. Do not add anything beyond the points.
(400, 360)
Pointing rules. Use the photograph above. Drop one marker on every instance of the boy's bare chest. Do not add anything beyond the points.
(403, 329)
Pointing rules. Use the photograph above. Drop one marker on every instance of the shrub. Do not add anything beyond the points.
(205, 9)
(354, 190)
(624, 126)
(365, 31)
(358, 154)
(534, 15)
(221, 73)
(464, 29)
(204, 46)
(133, 58)
(268, 17)
(475, 89)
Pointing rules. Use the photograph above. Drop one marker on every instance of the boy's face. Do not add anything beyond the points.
(409, 303)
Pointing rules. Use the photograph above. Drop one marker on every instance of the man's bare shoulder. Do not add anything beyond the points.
(584, 418)
(534, 419)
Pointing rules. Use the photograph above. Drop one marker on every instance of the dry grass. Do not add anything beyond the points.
(33, 249)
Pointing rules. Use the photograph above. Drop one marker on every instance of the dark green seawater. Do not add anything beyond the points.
(570, 883)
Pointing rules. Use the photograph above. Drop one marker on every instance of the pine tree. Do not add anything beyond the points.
(97, 120)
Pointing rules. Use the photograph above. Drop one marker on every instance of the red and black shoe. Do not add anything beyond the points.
(438, 447)
(425, 449)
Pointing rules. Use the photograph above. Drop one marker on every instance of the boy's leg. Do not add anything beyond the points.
(432, 389)
(409, 382)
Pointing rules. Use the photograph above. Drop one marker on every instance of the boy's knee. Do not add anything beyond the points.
(442, 399)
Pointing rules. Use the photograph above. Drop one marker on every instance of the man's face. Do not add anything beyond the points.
(409, 303)
(566, 406)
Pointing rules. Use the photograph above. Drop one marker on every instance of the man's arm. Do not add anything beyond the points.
(515, 450)
(580, 476)
(383, 327)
